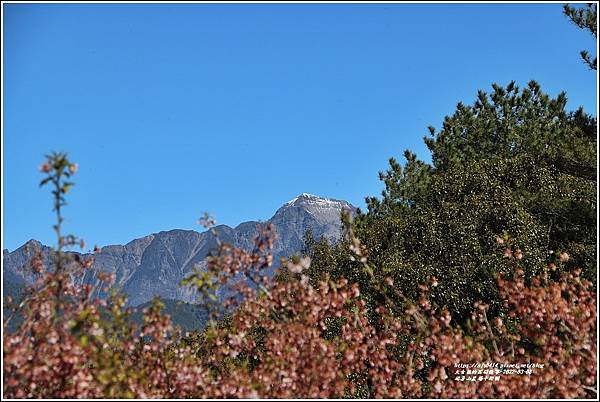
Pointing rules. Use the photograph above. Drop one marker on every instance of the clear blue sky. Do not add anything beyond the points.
(173, 110)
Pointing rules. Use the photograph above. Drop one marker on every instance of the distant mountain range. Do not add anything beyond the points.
(155, 264)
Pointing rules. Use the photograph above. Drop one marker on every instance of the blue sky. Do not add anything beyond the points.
(173, 110)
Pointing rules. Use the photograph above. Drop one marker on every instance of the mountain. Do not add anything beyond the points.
(155, 264)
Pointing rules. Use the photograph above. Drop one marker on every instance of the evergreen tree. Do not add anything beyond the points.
(587, 19)
(514, 165)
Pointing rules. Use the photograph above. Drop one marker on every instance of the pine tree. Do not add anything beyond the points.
(513, 166)
(587, 19)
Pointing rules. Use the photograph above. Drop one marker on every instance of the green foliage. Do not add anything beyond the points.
(189, 317)
(58, 169)
(585, 18)
(515, 162)
(322, 257)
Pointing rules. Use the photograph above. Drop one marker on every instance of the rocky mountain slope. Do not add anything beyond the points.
(155, 264)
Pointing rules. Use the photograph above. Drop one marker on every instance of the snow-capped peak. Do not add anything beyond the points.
(306, 198)
(318, 205)
(326, 211)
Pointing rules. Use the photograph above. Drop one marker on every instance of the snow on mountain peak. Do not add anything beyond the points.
(311, 199)
(325, 210)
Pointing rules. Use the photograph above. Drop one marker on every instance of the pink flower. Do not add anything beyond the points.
(303, 264)
(207, 221)
(518, 254)
(45, 167)
(355, 290)
(304, 280)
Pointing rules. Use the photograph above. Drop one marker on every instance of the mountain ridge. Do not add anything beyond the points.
(153, 265)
